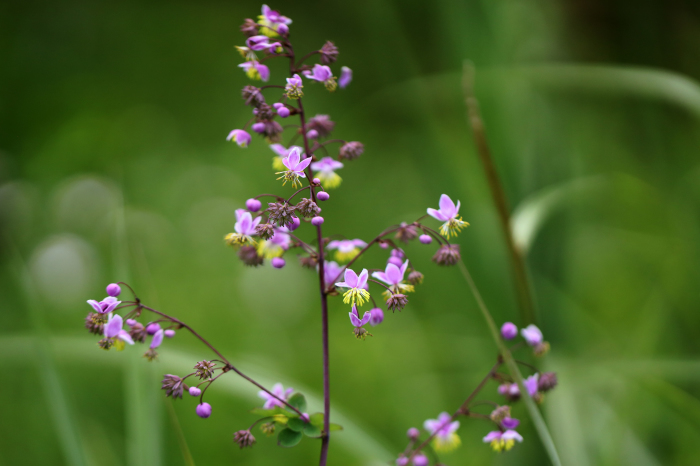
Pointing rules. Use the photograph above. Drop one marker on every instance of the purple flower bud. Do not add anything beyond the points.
(170, 333)
(509, 331)
(131, 322)
(194, 391)
(282, 29)
(510, 423)
(294, 224)
(283, 112)
(395, 260)
(322, 196)
(316, 221)
(253, 205)
(258, 127)
(420, 460)
(278, 262)
(242, 138)
(383, 245)
(312, 134)
(377, 316)
(413, 433)
(397, 253)
(152, 328)
(401, 461)
(305, 417)
(317, 181)
(425, 239)
(204, 410)
(113, 290)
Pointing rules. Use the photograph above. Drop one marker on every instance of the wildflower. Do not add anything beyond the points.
(502, 440)
(324, 169)
(265, 230)
(113, 290)
(322, 73)
(156, 341)
(316, 221)
(271, 22)
(115, 334)
(280, 213)
(312, 134)
(345, 77)
(276, 245)
(401, 460)
(278, 262)
(533, 337)
(356, 285)
(247, 53)
(448, 254)
(413, 434)
(444, 429)
(425, 239)
(358, 323)
(204, 369)
(377, 316)
(396, 301)
(262, 42)
(500, 413)
(295, 168)
(249, 256)
(105, 306)
(294, 87)
(240, 137)
(173, 386)
(510, 391)
(509, 331)
(415, 278)
(406, 232)
(138, 332)
(253, 205)
(95, 323)
(448, 213)
(420, 460)
(351, 150)
(547, 381)
(393, 276)
(282, 110)
(277, 390)
(195, 391)
(329, 53)
(244, 438)
(347, 249)
(331, 271)
(203, 410)
(531, 385)
(249, 27)
(322, 124)
(245, 228)
(263, 112)
(152, 328)
(256, 70)
(270, 129)
(510, 423)
(322, 196)
(281, 152)
(170, 333)
(307, 207)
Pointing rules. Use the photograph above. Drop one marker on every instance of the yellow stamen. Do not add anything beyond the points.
(329, 179)
(447, 444)
(342, 256)
(356, 295)
(277, 163)
(269, 250)
(452, 227)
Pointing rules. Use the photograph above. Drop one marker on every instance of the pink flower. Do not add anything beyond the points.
(256, 70)
(277, 390)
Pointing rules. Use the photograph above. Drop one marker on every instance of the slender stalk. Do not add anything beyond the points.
(522, 280)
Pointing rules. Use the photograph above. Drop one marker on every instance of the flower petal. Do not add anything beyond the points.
(437, 215)
(447, 207)
(351, 278)
(355, 320)
(95, 305)
(124, 336)
(382, 277)
(393, 274)
(362, 280)
(366, 317)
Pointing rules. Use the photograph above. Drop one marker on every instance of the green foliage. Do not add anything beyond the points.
(289, 438)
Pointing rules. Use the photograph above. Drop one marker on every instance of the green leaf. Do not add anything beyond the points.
(288, 438)
(298, 401)
(269, 412)
(296, 424)
(311, 430)
(316, 419)
(335, 427)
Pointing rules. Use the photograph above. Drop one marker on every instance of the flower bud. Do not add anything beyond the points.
(194, 391)
(243, 437)
(249, 256)
(170, 333)
(204, 410)
(547, 381)
(283, 112)
(377, 316)
(282, 29)
(265, 230)
(131, 322)
(308, 208)
(415, 278)
(509, 331)
(312, 134)
(252, 96)
(249, 28)
(510, 423)
(317, 181)
(397, 301)
(413, 434)
(173, 386)
(448, 254)
(322, 124)
(204, 369)
(258, 127)
(401, 460)
(395, 260)
(420, 460)
(152, 328)
(113, 290)
(294, 224)
(322, 196)
(278, 262)
(345, 77)
(253, 205)
(351, 150)
(500, 413)
(406, 232)
(316, 221)
(425, 239)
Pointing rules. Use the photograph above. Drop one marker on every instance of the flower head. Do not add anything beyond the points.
(351, 150)
(204, 369)
(331, 271)
(444, 430)
(377, 316)
(114, 332)
(393, 277)
(262, 42)
(244, 438)
(510, 391)
(256, 70)
(105, 306)
(281, 152)
(203, 410)
(245, 228)
(249, 256)
(356, 285)
(276, 245)
(294, 87)
(277, 390)
(502, 440)
(448, 213)
(547, 381)
(346, 249)
(272, 22)
(531, 385)
(358, 323)
(329, 53)
(447, 254)
(325, 171)
(532, 335)
(396, 302)
(345, 77)
(240, 137)
(322, 73)
(173, 386)
(322, 124)
(295, 167)
(509, 331)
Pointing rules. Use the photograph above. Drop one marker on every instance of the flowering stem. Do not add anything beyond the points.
(303, 59)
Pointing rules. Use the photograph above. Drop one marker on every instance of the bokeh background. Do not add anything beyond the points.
(113, 166)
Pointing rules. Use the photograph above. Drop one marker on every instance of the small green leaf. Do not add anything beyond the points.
(316, 419)
(311, 430)
(268, 412)
(335, 427)
(296, 424)
(288, 438)
(298, 401)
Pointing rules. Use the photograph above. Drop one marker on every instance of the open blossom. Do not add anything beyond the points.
(393, 277)
(532, 335)
(295, 167)
(115, 333)
(260, 43)
(245, 229)
(448, 213)
(345, 77)
(240, 137)
(105, 306)
(322, 74)
(277, 390)
(444, 429)
(356, 285)
(324, 169)
(273, 23)
(346, 249)
(531, 384)
(331, 271)
(276, 245)
(359, 323)
(502, 440)
(256, 70)
(294, 86)
(281, 152)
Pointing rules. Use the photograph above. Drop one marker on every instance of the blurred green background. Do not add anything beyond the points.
(113, 166)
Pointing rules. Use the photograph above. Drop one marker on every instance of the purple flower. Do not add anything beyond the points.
(240, 137)
(113, 290)
(253, 205)
(152, 328)
(105, 306)
(355, 318)
(413, 434)
(282, 109)
(377, 316)
(444, 429)
(324, 169)
(277, 390)
(322, 196)
(393, 277)
(194, 391)
(258, 43)
(272, 22)
(157, 339)
(401, 461)
(331, 271)
(510, 391)
(502, 440)
(345, 77)
(278, 262)
(276, 245)
(170, 333)
(425, 239)
(356, 285)
(532, 335)
(509, 331)
(256, 70)
(420, 460)
(316, 221)
(204, 410)
(510, 423)
(294, 87)
(295, 167)
(531, 384)
(322, 74)
(448, 213)
(347, 249)
(281, 152)
(113, 329)
(245, 229)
